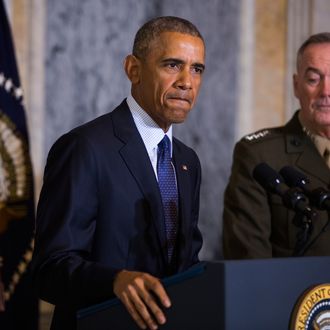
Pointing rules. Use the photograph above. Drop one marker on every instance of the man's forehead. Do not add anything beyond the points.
(317, 52)
(316, 57)
(177, 37)
(178, 45)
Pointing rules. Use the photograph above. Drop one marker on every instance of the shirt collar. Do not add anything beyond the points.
(321, 142)
(150, 132)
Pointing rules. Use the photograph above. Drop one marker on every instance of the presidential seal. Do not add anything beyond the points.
(312, 311)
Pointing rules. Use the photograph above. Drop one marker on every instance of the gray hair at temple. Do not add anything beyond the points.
(153, 28)
(319, 38)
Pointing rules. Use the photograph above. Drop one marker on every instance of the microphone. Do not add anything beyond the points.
(319, 197)
(293, 198)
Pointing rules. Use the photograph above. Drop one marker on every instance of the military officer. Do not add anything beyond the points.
(256, 224)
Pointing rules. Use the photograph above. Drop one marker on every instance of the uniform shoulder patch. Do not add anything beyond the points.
(257, 135)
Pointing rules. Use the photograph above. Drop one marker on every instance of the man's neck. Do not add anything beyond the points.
(311, 130)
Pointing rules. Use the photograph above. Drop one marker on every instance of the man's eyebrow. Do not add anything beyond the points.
(313, 70)
(172, 60)
(178, 61)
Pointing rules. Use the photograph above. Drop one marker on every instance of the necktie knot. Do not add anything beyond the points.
(164, 146)
(326, 156)
(322, 145)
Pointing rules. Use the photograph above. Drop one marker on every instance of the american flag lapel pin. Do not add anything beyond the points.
(185, 167)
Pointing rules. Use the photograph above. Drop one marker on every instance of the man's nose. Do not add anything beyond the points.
(325, 86)
(184, 80)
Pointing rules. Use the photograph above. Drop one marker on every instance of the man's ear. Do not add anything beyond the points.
(295, 84)
(132, 68)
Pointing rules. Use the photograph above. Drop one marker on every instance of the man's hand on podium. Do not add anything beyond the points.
(138, 292)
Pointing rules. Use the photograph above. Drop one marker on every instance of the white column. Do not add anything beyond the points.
(246, 69)
(8, 8)
(35, 98)
(299, 28)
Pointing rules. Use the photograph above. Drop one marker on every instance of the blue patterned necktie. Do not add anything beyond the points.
(169, 192)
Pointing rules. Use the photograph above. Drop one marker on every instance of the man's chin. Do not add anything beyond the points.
(178, 121)
(323, 120)
(179, 116)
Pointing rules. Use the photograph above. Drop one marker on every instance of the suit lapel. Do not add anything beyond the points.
(137, 160)
(312, 163)
(309, 159)
(183, 179)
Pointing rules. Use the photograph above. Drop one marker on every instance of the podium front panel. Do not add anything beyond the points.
(225, 295)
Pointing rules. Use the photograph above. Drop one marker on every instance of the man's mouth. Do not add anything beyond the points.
(179, 98)
(323, 106)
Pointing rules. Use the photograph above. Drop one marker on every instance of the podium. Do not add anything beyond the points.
(225, 295)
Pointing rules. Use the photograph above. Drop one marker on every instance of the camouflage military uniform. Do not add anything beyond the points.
(255, 223)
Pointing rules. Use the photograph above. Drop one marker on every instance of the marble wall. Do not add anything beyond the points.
(70, 54)
(86, 42)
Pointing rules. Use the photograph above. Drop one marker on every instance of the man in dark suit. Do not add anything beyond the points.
(101, 228)
(256, 224)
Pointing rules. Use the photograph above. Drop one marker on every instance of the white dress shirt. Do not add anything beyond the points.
(150, 132)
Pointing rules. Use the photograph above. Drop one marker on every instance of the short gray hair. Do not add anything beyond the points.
(319, 38)
(153, 28)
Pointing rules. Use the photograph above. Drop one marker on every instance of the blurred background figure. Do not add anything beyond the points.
(18, 303)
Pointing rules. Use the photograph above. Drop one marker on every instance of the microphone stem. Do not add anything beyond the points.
(303, 251)
(303, 235)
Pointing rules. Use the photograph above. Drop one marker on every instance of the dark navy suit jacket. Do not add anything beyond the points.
(100, 211)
